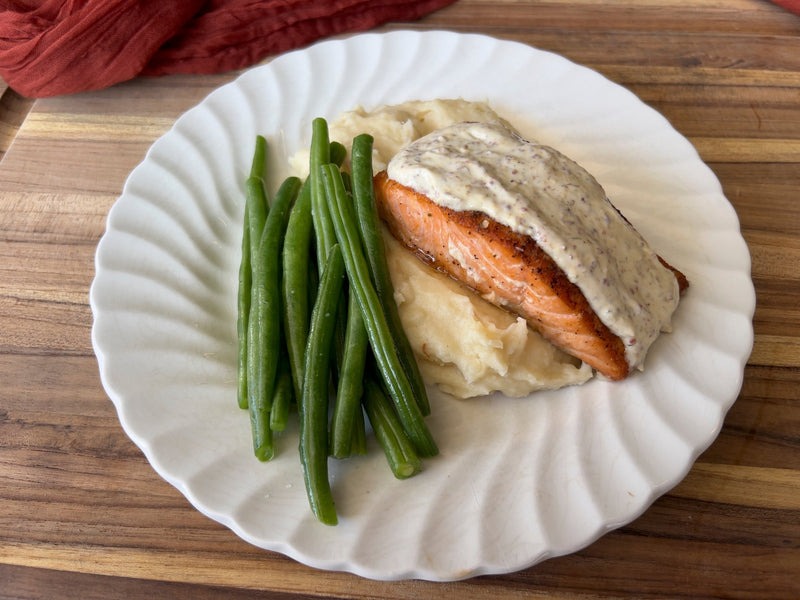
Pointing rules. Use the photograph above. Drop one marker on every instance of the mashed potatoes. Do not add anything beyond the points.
(394, 127)
(466, 346)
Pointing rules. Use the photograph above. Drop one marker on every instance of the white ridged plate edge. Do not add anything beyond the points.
(517, 481)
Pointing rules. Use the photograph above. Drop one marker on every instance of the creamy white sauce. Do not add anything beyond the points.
(536, 191)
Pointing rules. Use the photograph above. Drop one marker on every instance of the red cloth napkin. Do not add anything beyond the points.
(792, 5)
(54, 47)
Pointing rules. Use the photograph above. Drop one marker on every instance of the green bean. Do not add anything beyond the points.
(378, 330)
(320, 155)
(314, 399)
(297, 299)
(243, 312)
(325, 236)
(256, 210)
(369, 225)
(347, 181)
(313, 280)
(265, 312)
(338, 153)
(350, 387)
(263, 443)
(257, 169)
(283, 396)
(258, 166)
(400, 454)
(256, 213)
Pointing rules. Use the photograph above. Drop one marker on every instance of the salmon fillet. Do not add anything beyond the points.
(509, 269)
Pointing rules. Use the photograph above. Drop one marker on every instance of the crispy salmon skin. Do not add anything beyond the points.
(507, 268)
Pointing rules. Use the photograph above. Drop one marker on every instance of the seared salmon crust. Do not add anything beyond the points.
(507, 268)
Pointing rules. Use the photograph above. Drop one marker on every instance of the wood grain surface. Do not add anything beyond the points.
(82, 513)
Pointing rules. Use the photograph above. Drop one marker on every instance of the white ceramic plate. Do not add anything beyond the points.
(517, 481)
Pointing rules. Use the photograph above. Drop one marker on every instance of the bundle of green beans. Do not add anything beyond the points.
(317, 323)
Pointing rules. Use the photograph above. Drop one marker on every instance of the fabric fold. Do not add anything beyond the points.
(56, 47)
